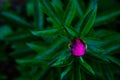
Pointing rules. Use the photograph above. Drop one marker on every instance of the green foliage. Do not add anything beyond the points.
(87, 66)
(34, 40)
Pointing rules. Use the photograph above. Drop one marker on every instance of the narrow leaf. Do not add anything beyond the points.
(114, 60)
(47, 32)
(70, 31)
(105, 18)
(86, 66)
(76, 69)
(79, 4)
(5, 31)
(108, 72)
(70, 13)
(38, 15)
(58, 7)
(62, 61)
(88, 17)
(65, 72)
(15, 19)
(17, 37)
(49, 10)
(37, 48)
(112, 49)
(89, 23)
(49, 50)
(94, 51)
(55, 57)
(94, 42)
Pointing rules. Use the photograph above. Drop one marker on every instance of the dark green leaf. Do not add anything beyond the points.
(39, 74)
(88, 18)
(15, 19)
(49, 10)
(47, 32)
(65, 72)
(95, 49)
(70, 13)
(63, 60)
(90, 22)
(79, 4)
(58, 7)
(18, 37)
(76, 69)
(105, 18)
(108, 72)
(5, 31)
(112, 49)
(94, 42)
(24, 61)
(30, 8)
(114, 60)
(86, 66)
(21, 53)
(56, 56)
(38, 48)
(38, 15)
(71, 32)
(50, 49)
(96, 52)
(31, 62)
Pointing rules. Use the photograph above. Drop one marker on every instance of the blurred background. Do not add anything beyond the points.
(17, 18)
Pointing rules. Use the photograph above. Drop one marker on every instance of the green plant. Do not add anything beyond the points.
(40, 46)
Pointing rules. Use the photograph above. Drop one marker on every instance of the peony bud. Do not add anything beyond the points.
(77, 47)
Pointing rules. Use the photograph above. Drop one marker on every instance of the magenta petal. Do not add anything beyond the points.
(78, 47)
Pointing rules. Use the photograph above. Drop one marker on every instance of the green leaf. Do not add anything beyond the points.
(39, 74)
(99, 71)
(47, 32)
(22, 52)
(79, 5)
(95, 49)
(5, 31)
(76, 69)
(38, 15)
(37, 48)
(94, 42)
(88, 17)
(105, 18)
(69, 13)
(54, 57)
(92, 5)
(24, 61)
(102, 33)
(49, 10)
(112, 49)
(90, 22)
(86, 66)
(63, 60)
(31, 62)
(58, 7)
(15, 19)
(114, 60)
(30, 8)
(108, 72)
(50, 49)
(18, 37)
(96, 52)
(83, 77)
(65, 72)
(70, 31)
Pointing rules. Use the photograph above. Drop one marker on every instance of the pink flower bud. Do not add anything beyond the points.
(77, 47)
